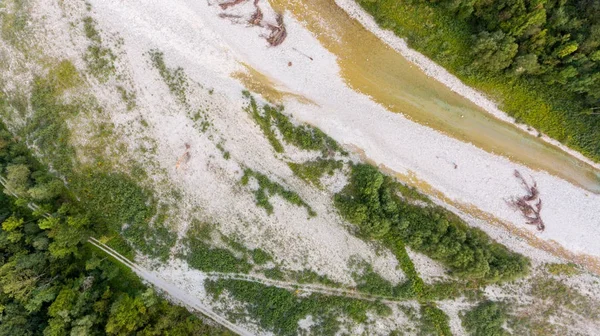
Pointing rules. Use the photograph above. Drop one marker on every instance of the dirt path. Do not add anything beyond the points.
(307, 288)
(185, 298)
(173, 291)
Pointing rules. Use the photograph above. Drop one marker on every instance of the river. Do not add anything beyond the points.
(371, 67)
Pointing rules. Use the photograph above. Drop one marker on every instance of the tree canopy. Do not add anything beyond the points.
(371, 201)
(51, 281)
(559, 39)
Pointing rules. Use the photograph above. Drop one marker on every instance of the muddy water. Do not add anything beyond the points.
(369, 66)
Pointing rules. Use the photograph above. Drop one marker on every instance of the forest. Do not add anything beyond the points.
(540, 59)
(51, 281)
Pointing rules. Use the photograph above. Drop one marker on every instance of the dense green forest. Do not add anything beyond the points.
(540, 59)
(51, 281)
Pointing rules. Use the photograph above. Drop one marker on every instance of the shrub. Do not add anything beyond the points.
(486, 319)
(434, 321)
(266, 188)
(312, 171)
(370, 202)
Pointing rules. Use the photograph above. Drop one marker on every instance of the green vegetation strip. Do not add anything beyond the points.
(486, 319)
(266, 188)
(99, 59)
(312, 171)
(280, 310)
(371, 202)
(539, 59)
(270, 118)
(175, 79)
(434, 321)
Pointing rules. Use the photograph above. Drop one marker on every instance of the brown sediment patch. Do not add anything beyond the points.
(257, 82)
(530, 205)
(589, 262)
(257, 16)
(277, 33)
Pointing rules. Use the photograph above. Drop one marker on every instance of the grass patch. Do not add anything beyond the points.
(128, 97)
(312, 171)
(560, 296)
(118, 201)
(114, 197)
(554, 308)
(274, 273)
(271, 118)
(310, 277)
(260, 257)
(175, 78)
(305, 276)
(267, 188)
(225, 153)
(569, 269)
(99, 59)
(279, 310)
(119, 244)
(367, 281)
(14, 23)
(47, 128)
(204, 257)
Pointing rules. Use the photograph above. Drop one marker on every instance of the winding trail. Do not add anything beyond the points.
(186, 299)
(308, 288)
(173, 291)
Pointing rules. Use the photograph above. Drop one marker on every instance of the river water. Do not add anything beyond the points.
(371, 67)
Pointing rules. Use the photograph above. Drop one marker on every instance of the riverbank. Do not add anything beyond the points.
(371, 67)
(438, 72)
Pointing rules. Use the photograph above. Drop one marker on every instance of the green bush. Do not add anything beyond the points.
(266, 188)
(280, 310)
(370, 202)
(304, 137)
(486, 319)
(434, 321)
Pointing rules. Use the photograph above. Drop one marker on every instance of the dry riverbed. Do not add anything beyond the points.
(185, 121)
